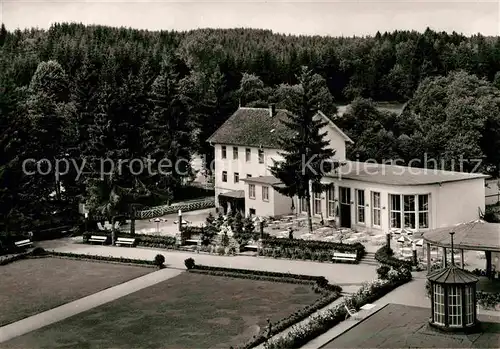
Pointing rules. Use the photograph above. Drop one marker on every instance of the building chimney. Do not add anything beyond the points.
(272, 110)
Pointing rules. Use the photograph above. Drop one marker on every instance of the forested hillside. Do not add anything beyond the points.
(97, 92)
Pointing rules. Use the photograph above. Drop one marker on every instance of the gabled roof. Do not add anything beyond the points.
(254, 127)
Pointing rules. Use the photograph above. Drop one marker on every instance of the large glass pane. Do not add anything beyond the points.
(423, 202)
(423, 220)
(409, 202)
(395, 220)
(409, 220)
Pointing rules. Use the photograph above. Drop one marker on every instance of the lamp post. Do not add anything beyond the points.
(414, 252)
(180, 220)
(86, 220)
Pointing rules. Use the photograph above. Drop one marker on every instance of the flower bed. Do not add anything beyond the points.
(321, 251)
(488, 300)
(384, 255)
(320, 284)
(319, 324)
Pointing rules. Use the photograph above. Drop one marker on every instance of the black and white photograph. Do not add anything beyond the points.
(249, 174)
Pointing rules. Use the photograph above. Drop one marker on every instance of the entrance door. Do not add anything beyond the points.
(345, 207)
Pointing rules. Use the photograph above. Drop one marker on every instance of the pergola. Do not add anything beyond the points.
(477, 235)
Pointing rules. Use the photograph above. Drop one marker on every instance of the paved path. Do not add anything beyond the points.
(349, 274)
(62, 312)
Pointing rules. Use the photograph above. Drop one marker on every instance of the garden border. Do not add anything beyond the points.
(330, 293)
(301, 335)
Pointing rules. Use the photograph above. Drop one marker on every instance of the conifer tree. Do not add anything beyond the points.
(307, 155)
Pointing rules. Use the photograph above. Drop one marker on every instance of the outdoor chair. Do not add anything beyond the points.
(351, 312)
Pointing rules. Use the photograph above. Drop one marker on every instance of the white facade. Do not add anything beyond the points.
(369, 207)
(229, 167)
(434, 206)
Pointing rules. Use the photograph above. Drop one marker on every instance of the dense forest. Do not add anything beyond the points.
(94, 92)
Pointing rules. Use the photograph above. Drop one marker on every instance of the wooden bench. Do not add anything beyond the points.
(125, 241)
(192, 242)
(23, 243)
(349, 257)
(98, 238)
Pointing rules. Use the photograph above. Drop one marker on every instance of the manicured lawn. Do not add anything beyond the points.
(30, 286)
(188, 311)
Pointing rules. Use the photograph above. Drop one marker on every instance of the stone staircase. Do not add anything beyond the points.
(369, 258)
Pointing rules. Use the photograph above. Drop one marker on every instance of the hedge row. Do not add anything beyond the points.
(384, 255)
(140, 239)
(320, 324)
(14, 258)
(301, 254)
(102, 258)
(273, 242)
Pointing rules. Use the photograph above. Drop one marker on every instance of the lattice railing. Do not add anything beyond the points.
(174, 208)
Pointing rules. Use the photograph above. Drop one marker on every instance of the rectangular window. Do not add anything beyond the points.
(469, 312)
(251, 191)
(455, 306)
(409, 211)
(224, 176)
(265, 193)
(423, 211)
(236, 177)
(438, 304)
(360, 206)
(252, 212)
(395, 211)
(235, 153)
(331, 201)
(224, 154)
(248, 154)
(375, 208)
(317, 203)
(261, 156)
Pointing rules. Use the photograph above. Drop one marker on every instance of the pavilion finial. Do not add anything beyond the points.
(452, 252)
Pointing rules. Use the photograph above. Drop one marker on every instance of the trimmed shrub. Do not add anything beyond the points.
(384, 255)
(159, 260)
(382, 272)
(189, 263)
(38, 251)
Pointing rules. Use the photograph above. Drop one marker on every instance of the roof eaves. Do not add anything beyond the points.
(346, 137)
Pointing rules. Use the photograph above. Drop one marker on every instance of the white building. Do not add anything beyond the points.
(362, 195)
